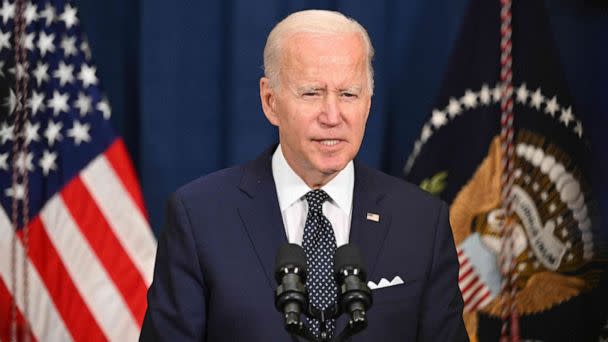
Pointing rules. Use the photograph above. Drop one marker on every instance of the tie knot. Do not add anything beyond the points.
(315, 199)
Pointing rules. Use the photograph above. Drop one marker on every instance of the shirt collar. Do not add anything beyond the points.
(290, 187)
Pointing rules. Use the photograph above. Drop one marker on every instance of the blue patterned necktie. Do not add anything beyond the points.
(319, 246)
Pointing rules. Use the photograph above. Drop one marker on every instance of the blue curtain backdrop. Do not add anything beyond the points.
(182, 78)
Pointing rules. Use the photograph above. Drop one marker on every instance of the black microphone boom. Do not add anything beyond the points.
(355, 297)
(291, 297)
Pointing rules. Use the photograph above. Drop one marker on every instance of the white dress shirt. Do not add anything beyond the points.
(294, 208)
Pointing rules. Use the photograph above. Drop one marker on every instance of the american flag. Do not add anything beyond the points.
(475, 292)
(90, 250)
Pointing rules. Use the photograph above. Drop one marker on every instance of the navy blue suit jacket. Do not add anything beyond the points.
(213, 278)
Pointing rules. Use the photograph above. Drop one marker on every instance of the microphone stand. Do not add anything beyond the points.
(354, 325)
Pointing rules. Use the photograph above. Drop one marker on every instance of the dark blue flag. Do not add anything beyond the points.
(556, 220)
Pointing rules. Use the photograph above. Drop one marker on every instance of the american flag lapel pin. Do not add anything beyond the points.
(373, 217)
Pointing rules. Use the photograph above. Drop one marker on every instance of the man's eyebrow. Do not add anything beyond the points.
(309, 88)
(314, 88)
(354, 89)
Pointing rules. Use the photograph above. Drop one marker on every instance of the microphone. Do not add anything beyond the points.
(291, 295)
(354, 296)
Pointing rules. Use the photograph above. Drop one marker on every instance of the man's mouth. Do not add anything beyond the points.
(329, 142)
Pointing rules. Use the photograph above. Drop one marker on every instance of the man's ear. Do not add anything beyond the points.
(369, 107)
(268, 98)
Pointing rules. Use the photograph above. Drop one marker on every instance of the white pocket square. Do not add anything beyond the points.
(384, 283)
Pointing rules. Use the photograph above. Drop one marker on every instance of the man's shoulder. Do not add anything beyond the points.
(213, 185)
(397, 188)
(225, 183)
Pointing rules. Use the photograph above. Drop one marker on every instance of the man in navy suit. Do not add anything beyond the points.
(213, 279)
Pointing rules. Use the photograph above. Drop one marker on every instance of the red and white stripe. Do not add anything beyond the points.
(91, 256)
(474, 291)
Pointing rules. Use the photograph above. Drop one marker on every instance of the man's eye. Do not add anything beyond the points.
(349, 95)
(310, 93)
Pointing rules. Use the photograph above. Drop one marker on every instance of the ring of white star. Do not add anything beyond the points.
(487, 96)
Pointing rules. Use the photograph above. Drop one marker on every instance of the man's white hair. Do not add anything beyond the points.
(312, 21)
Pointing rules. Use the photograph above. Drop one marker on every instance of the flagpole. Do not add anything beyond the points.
(19, 150)
(507, 262)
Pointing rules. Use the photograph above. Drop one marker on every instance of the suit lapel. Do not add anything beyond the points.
(367, 234)
(260, 213)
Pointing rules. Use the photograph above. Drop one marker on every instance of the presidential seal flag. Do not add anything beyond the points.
(504, 120)
(76, 249)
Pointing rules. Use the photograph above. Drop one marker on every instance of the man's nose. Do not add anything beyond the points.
(331, 114)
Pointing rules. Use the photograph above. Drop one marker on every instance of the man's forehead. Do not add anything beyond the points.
(326, 46)
(301, 55)
(316, 61)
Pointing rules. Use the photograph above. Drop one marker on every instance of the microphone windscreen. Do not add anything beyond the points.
(290, 254)
(347, 255)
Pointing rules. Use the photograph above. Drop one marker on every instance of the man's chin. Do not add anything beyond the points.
(333, 163)
(332, 169)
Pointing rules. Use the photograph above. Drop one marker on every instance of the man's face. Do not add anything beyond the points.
(321, 104)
